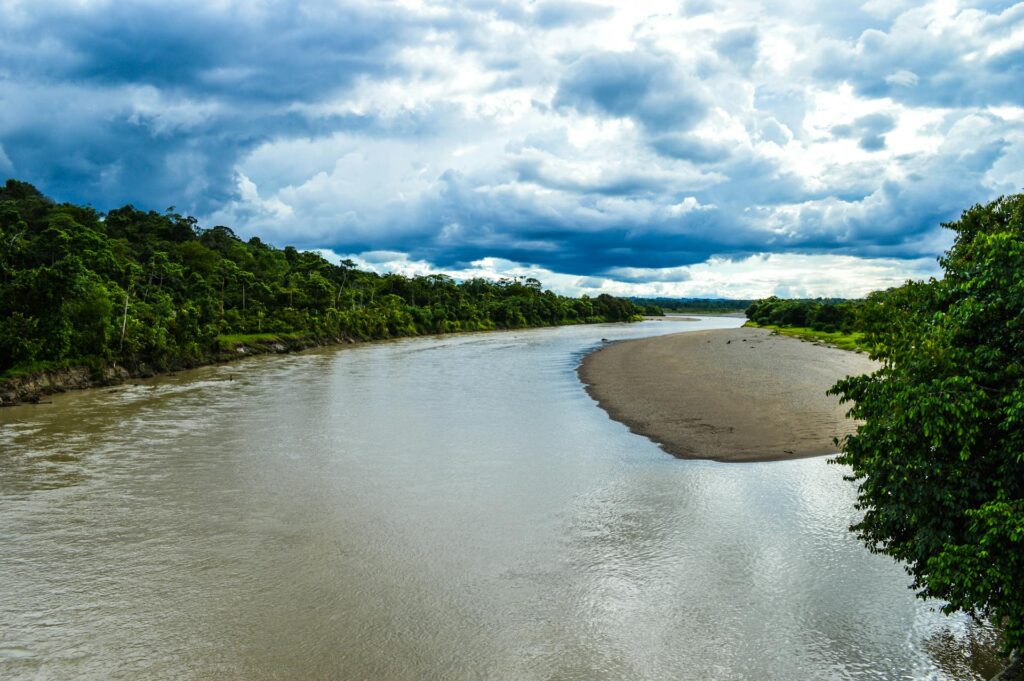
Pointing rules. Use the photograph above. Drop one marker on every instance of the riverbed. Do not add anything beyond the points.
(435, 508)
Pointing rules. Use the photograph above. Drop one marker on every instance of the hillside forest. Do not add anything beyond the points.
(141, 288)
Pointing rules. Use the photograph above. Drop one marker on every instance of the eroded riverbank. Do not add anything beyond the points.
(33, 387)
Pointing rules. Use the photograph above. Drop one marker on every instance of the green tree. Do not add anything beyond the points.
(940, 456)
(154, 290)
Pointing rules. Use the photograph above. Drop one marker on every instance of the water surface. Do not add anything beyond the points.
(437, 508)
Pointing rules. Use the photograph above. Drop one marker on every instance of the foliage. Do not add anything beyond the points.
(940, 456)
(832, 321)
(148, 288)
(824, 314)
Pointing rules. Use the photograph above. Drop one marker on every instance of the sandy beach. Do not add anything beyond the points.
(729, 395)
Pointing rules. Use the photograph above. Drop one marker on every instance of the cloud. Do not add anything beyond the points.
(256, 52)
(592, 141)
(787, 275)
(935, 54)
(696, 7)
(903, 78)
(755, 276)
(559, 13)
(902, 215)
(647, 87)
(690, 148)
(870, 130)
(739, 46)
(168, 97)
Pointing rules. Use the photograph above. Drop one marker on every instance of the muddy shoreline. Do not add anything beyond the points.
(34, 388)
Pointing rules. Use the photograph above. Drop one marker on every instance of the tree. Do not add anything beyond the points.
(940, 456)
(155, 290)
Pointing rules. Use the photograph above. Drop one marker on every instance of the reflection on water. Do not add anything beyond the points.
(434, 508)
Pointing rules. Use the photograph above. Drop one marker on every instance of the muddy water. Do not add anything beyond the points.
(444, 508)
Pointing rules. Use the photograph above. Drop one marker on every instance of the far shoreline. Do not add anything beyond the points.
(32, 388)
(730, 395)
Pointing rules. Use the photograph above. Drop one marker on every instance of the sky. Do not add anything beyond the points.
(733, 148)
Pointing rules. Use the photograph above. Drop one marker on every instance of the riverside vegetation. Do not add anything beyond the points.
(832, 321)
(939, 459)
(154, 291)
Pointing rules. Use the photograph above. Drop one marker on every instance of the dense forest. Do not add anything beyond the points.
(822, 314)
(143, 288)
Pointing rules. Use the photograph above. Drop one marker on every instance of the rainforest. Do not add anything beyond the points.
(156, 291)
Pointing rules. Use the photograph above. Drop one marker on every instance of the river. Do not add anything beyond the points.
(433, 508)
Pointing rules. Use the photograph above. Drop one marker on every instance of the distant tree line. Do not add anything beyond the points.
(658, 306)
(134, 286)
(821, 314)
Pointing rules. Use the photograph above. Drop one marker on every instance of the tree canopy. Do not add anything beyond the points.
(824, 314)
(131, 286)
(940, 456)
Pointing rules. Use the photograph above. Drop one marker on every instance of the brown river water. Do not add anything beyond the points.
(435, 508)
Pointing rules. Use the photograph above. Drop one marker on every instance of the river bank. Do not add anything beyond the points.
(740, 394)
(32, 387)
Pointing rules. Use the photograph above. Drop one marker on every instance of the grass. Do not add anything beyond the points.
(844, 341)
(226, 342)
(27, 369)
(242, 338)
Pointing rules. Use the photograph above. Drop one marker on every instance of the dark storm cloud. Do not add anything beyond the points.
(586, 236)
(576, 232)
(647, 87)
(739, 46)
(870, 129)
(689, 148)
(156, 102)
(628, 183)
(565, 133)
(273, 51)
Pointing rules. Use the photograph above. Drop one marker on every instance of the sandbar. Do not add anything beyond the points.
(729, 395)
